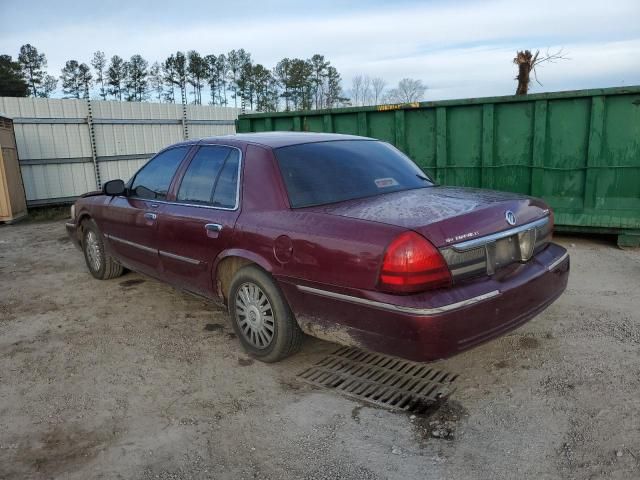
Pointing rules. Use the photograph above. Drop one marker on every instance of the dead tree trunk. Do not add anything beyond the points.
(525, 61)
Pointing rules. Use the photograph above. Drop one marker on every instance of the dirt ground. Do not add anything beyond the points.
(129, 378)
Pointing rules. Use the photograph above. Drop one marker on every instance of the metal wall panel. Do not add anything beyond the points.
(136, 110)
(206, 112)
(54, 139)
(112, 140)
(122, 169)
(45, 182)
(203, 131)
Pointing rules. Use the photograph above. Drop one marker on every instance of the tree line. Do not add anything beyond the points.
(231, 79)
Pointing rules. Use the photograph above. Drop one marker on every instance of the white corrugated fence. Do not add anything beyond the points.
(69, 147)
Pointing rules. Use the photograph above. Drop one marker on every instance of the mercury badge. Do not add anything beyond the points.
(510, 217)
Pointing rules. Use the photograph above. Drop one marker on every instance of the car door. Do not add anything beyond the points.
(130, 223)
(195, 228)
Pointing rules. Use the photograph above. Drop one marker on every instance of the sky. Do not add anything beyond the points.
(459, 49)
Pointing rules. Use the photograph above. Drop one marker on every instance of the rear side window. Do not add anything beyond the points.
(153, 180)
(227, 187)
(329, 172)
(211, 178)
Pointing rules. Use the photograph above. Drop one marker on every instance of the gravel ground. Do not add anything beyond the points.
(129, 378)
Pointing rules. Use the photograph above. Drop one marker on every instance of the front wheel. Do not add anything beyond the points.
(261, 317)
(100, 264)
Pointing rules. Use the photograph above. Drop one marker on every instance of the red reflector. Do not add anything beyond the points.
(412, 264)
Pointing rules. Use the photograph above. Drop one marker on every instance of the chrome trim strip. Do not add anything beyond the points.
(237, 203)
(477, 242)
(132, 244)
(175, 256)
(182, 204)
(558, 261)
(399, 308)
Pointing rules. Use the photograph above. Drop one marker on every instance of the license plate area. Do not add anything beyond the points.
(482, 256)
(506, 251)
(501, 253)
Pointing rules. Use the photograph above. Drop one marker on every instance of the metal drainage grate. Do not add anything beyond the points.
(384, 381)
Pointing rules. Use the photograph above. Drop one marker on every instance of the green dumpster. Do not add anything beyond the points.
(579, 150)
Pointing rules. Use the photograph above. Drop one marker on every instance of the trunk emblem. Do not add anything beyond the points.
(510, 217)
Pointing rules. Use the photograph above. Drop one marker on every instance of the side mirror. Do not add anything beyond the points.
(114, 188)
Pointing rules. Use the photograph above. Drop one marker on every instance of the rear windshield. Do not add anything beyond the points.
(329, 172)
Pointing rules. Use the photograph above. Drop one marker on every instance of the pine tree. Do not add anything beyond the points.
(116, 74)
(197, 73)
(33, 65)
(12, 83)
(99, 63)
(70, 78)
(246, 83)
(300, 83)
(266, 89)
(319, 73)
(283, 75)
(222, 66)
(48, 86)
(212, 77)
(236, 62)
(85, 79)
(156, 82)
(136, 79)
(181, 74)
(334, 95)
(170, 78)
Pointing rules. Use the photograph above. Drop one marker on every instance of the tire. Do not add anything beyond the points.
(261, 316)
(101, 265)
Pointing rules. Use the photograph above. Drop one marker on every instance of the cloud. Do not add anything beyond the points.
(457, 48)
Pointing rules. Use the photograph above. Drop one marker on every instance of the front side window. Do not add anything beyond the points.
(211, 178)
(335, 171)
(153, 180)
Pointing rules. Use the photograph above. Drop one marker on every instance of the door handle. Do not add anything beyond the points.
(213, 227)
(150, 216)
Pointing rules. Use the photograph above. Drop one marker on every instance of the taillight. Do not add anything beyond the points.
(412, 264)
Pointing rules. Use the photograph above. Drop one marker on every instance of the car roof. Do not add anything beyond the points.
(280, 139)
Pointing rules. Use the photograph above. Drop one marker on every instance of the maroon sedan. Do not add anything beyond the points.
(336, 236)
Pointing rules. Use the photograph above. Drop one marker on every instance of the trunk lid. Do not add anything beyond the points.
(444, 215)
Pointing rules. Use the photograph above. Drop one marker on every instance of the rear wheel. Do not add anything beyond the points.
(100, 264)
(261, 317)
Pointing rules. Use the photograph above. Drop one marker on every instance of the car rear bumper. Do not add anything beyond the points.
(437, 324)
(72, 231)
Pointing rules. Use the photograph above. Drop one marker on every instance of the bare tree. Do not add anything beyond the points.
(527, 62)
(409, 90)
(356, 90)
(366, 91)
(377, 84)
